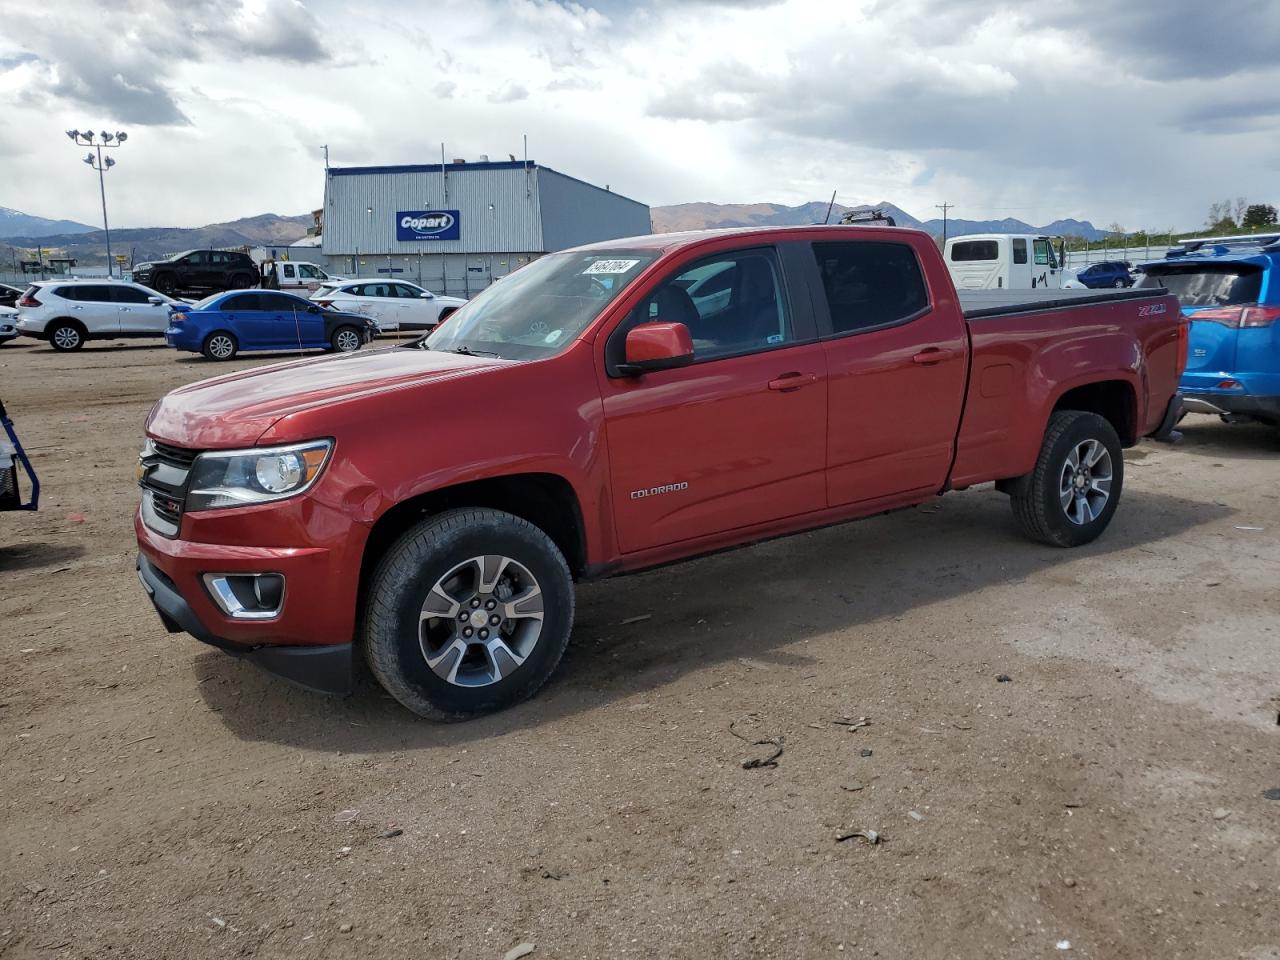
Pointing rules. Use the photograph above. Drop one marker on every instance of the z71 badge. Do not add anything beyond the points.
(1151, 309)
(655, 491)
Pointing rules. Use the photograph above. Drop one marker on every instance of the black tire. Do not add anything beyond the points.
(392, 628)
(242, 281)
(444, 315)
(66, 336)
(165, 283)
(215, 345)
(342, 341)
(1039, 507)
(1119, 283)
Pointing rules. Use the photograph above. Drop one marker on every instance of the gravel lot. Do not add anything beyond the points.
(162, 800)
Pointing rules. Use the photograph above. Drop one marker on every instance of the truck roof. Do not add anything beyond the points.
(688, 238)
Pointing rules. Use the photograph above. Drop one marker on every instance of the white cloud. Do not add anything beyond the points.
(999, 108)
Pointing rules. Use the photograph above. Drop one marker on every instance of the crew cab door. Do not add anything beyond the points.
(897, 357)
(737, 437)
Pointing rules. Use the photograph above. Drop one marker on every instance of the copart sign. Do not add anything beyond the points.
(427, 225)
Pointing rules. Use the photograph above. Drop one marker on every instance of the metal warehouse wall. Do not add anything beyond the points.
(511, 224)
(574, 212)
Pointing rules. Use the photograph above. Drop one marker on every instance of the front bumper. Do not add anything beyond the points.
(323, 668)
(310, 641)
(8, 332)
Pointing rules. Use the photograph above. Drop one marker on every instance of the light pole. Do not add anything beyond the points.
(102, 165)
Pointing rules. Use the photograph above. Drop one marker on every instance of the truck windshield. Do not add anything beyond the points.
(536, 311)
(1206, 284)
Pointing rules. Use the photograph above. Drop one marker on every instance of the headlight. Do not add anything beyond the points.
(237, 478)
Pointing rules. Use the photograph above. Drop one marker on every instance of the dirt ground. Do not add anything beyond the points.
(162, 800)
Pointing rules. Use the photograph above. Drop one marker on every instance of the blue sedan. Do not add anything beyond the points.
(222, 325)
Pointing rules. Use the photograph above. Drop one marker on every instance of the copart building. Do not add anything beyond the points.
(457, 227)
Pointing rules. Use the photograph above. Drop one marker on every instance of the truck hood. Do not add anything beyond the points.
(237, 409)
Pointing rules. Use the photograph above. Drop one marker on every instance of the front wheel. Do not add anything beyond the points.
(469, 612)
(166, 284)
(219, 345)
(1071, 495)
(346, 339)
(1119, 284)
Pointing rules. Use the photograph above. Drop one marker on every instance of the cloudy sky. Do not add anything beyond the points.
(1137, 111)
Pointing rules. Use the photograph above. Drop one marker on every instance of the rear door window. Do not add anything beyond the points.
(93, 293)
(869, 284)
(1206, 284)
(968, 250)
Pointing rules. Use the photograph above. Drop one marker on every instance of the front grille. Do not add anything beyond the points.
(176, 455)
(164, 477)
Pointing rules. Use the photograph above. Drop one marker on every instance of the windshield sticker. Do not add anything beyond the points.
(551, 337)
(610, 266)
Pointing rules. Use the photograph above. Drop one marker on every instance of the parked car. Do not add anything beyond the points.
(199, 270)
(9, 295)
(8, 325)
(69, 312)
(294, 275)
(1107, 273)
(584, 418)
(1231, 294)
(227, 323)
(394, 304)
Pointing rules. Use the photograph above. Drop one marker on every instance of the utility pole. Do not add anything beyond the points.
(102, 165)
(944, 207)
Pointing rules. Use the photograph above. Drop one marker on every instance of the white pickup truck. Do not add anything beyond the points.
(1003, 261)
(293, 275)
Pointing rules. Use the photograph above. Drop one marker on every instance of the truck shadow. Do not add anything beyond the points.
(1207, 436)
(36, 556)
(754, 605)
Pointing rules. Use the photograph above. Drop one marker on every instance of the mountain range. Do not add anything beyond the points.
(149, 243)
(15, 223)
(702, 216)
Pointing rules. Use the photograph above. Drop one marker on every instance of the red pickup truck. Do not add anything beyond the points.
(615, 407)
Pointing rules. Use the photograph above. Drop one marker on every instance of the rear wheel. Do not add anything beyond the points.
(467, 613)
(346, 339)
(220, 345)
(165, 283)
(66, 335)
(1072, 493)
(242, 281)
(1118, 284)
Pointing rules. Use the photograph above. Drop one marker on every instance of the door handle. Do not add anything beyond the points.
(932, 355)
(792, 381)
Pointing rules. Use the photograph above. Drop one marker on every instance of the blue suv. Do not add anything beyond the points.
(226, 323)
(1230, 292)
(1108, 273)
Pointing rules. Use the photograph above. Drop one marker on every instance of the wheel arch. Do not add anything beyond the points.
(546, 500)
(1114, 400)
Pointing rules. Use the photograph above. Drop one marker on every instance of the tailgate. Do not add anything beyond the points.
(1212, 345)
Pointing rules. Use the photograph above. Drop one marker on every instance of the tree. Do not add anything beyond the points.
(1241, 206)
(1259, 215)
(1219, 218)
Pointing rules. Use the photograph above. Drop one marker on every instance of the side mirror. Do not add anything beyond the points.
(427, 295)
(155, 301)
(656, 346)
(314, 308)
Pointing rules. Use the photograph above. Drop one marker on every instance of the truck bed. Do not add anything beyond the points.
(977, 304)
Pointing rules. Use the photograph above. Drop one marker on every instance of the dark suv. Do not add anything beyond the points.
(205, 270)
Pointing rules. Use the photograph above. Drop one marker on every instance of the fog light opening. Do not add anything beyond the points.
(247, 596)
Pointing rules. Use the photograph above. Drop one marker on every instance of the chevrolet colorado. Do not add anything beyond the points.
(611, 408)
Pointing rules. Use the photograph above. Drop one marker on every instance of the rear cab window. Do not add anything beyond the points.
(870, 285)
(969, 250)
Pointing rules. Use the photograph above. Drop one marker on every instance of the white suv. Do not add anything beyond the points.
(393, 304)
(69, 312)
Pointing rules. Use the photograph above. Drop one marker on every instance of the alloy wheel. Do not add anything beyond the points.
(1084, 486)
(68, 338)
(481, 621)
